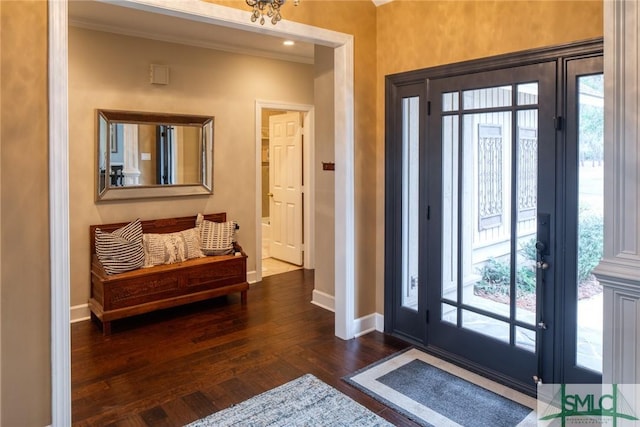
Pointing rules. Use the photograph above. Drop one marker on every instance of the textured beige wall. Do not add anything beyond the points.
(24, 228)
(111, 72)
(324, 279)
(419, 34)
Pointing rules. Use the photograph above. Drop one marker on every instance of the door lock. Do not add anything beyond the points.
(537, 380)
(542, 325)
(542, 265)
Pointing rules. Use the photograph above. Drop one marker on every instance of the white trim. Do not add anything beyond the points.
(252, 276)
(379, 322)
(79, 313)
(59, 259)
(381, 2)
(364, 325)
(344, 191)
(308, 178)
(323, 300)
(58, 146)
(619, 271)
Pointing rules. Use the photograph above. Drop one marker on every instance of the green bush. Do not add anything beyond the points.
(528, 249)
(496, 274)
(496, 277)
(590, 243)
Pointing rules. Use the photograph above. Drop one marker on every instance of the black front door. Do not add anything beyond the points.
(492, 151)
(494, 214)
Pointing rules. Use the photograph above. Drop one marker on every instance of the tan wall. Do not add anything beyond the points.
(418, 34)
(324, 278)
(111, 72)
(24, 228)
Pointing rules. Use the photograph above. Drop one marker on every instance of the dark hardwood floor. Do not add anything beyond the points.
(173, 367)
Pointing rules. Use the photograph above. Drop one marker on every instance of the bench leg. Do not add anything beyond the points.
(106, 328)
(243, 297)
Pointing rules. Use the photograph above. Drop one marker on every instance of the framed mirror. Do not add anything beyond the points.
(143, 155)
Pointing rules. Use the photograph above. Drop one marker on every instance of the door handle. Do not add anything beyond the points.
(544, 233)
(542, 265)
(270, 194)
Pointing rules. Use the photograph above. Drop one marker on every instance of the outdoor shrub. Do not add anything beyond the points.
(496, 276)
(590, 243)
(528, 249)
(496, 273)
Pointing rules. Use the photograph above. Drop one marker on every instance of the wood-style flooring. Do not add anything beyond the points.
(175, 366)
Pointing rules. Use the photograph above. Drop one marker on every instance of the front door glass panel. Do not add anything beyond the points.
(410, 198)
(590, 221)
(489, 213)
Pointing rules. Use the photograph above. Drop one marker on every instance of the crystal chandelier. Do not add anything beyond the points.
(269, 7)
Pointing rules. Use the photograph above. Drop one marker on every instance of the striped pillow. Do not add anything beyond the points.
(121, 250)
(216, 238)
(168, 248)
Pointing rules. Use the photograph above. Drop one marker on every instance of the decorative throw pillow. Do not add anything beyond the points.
(216, 238)
(168, 248)
(122, 249)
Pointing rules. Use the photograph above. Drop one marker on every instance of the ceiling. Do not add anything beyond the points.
(119, 19)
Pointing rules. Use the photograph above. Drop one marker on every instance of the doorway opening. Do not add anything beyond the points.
(286, 192)
(343, 48)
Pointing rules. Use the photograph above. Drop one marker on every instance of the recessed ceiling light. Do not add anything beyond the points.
(288, 42)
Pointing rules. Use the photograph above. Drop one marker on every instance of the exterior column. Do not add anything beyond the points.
(619, 271)
(131, 169)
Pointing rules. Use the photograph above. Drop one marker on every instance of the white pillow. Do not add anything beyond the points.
(167, 248)
(122, 249)
(216, 238)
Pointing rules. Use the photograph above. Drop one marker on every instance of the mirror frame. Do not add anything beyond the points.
(109, 192)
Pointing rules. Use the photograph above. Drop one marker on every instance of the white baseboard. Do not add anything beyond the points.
(323, 300)
(361, 326)
(379, 322)
(366, 324)
(78, 313)
(252, 276)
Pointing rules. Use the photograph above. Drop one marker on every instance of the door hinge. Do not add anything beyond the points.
(557, 122)
(428, 212)
(426, 315)
(428, 108)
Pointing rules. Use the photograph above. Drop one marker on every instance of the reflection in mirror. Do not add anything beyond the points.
(153, 155)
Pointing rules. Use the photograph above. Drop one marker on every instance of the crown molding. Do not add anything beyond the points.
(188, 41)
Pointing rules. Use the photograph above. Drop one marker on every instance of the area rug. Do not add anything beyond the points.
(422, 388)
(305, 401)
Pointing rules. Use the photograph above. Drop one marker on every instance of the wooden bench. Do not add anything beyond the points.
(147, 289)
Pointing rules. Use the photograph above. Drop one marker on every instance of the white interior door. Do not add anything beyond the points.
(285, 187)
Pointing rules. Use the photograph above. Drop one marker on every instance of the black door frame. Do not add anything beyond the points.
(393, 253)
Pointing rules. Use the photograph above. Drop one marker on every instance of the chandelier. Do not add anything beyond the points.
(271, 8)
